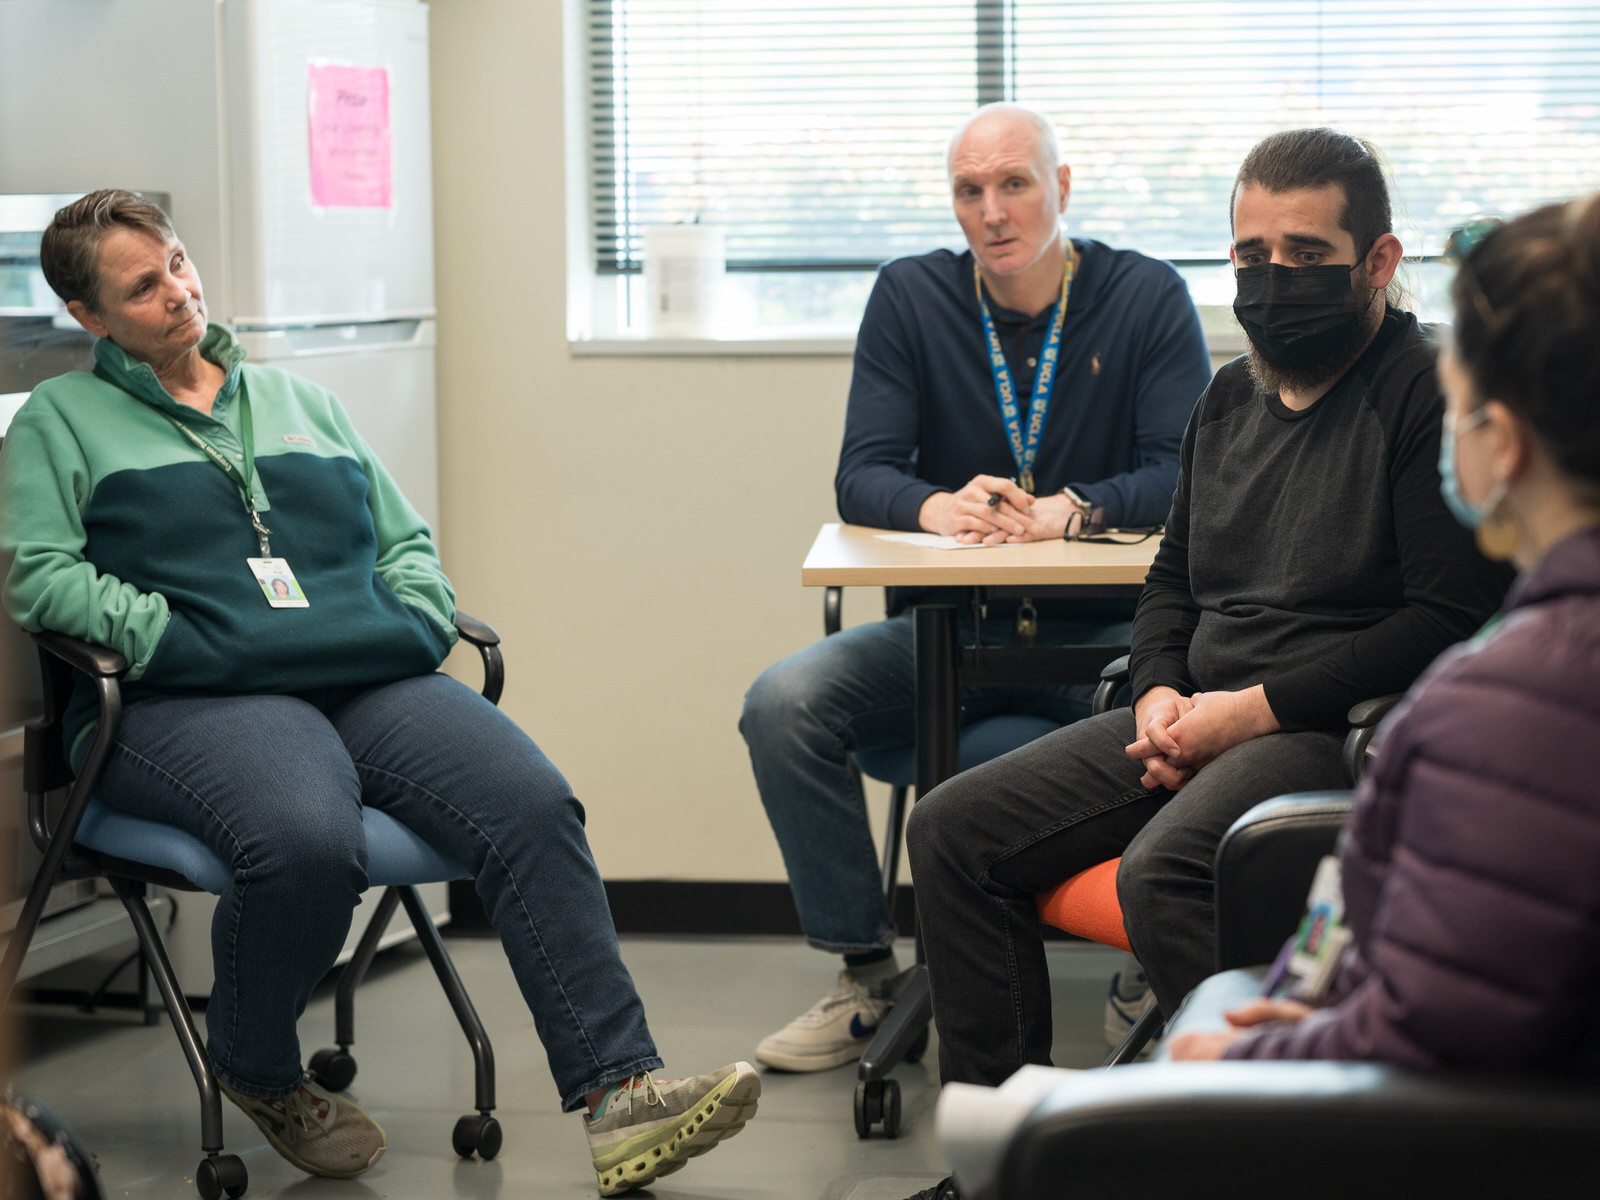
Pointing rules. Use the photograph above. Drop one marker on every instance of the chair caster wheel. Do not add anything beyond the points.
(333, 1069)
(478, 1134)
(878, 1102)
(221, 1173)
(891, 1108)
(869, 1105)
(918, 1048)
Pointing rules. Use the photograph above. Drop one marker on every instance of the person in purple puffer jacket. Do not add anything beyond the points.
(1471, 866)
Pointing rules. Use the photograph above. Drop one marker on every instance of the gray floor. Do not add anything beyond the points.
(126, 1090)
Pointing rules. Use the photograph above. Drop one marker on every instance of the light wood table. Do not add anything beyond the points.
(853, 555)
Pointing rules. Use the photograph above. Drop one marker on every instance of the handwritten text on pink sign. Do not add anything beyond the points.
(350, 163)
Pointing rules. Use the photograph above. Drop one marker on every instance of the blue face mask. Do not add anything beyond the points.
(1469, 514)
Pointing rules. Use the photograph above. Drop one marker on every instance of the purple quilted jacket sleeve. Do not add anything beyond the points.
(1472, 869)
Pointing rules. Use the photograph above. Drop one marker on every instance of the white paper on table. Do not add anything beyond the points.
(929, 541)
(975, 1124)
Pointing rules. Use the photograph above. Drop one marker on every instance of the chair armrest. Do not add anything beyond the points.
(1364, 719)
(482, 635)
(1114, 675)
(1315, 1129)
(92, 660)
(1368, 713)
(479, 633)
(832, 610)
(44, 763)
(1263, 871)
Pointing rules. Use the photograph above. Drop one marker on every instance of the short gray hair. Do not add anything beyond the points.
(1044, 130)
(69, 252)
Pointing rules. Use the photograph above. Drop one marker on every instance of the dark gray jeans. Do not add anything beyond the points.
(985, 842)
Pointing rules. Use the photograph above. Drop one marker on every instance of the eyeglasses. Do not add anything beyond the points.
(1460, 244)
(1093, 529)
(1458, 247)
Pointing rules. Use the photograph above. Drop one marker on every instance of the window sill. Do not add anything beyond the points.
(1223, 337)
(757, 345)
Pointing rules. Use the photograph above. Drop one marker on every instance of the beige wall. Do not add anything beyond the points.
(633, 527)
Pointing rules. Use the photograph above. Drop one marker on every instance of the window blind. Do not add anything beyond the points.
(814, 132)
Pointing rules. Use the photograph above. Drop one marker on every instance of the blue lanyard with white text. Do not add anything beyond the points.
(1025, 450)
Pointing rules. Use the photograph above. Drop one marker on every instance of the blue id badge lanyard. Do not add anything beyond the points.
(1025, 445)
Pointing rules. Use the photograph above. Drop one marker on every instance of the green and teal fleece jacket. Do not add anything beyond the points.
(120, 530)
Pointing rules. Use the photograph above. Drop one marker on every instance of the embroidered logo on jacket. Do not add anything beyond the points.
(298, 439)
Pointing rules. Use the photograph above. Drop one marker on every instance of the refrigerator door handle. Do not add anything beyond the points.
(364, 337)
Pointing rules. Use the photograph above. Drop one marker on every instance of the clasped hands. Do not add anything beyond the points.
(1178, 734)
(968, 516)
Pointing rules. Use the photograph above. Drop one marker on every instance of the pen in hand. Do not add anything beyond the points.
(996, 497)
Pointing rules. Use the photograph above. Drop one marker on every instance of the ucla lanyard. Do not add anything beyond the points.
(1025, 450)
(240, 481)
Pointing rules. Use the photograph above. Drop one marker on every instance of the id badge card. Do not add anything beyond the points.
(1320, 941)
(278, 583)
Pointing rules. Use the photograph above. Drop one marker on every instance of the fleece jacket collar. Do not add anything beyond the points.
(138, 379)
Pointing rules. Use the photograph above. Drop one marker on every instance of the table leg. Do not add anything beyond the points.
(934, 643)
(903, 1033)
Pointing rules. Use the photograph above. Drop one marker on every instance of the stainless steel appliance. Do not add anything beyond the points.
(311, 227)
(37, 340)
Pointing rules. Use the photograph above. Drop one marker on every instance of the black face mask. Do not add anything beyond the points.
(1297, 316)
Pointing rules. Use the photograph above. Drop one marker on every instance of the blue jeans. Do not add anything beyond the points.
(275, 785)
(855, 691)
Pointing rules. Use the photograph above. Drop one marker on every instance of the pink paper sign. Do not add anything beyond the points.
(349, 112)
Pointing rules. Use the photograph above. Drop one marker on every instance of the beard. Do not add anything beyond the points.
(1330, 361)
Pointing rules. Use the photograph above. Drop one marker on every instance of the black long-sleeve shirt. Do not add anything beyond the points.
(1310, 551)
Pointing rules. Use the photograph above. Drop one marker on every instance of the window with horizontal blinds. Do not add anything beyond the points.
(814, 132)
(808, 131)
(1478, 105)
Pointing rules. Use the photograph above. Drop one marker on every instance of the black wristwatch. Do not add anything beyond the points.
(1078, 500)
(1085, 512)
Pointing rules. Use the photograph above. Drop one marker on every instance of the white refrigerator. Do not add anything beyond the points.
(293, 138)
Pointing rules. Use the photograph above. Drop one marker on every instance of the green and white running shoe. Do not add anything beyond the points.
(646, 1127)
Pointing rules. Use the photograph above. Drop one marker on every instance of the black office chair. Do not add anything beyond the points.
(1323, 1129)
(91, 839)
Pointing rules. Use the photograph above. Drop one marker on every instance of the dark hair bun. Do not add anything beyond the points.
(1527, 312)
(1583, 225)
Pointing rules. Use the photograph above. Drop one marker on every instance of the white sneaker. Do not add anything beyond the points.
(833, 1031)
(1128, 999)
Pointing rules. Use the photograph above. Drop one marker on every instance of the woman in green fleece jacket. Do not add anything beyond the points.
(283, 613)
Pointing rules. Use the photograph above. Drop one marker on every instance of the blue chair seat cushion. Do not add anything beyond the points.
(396, 857)
(980, 741)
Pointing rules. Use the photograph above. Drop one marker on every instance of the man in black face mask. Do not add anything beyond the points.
(1309, 563)
(1308, 304)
